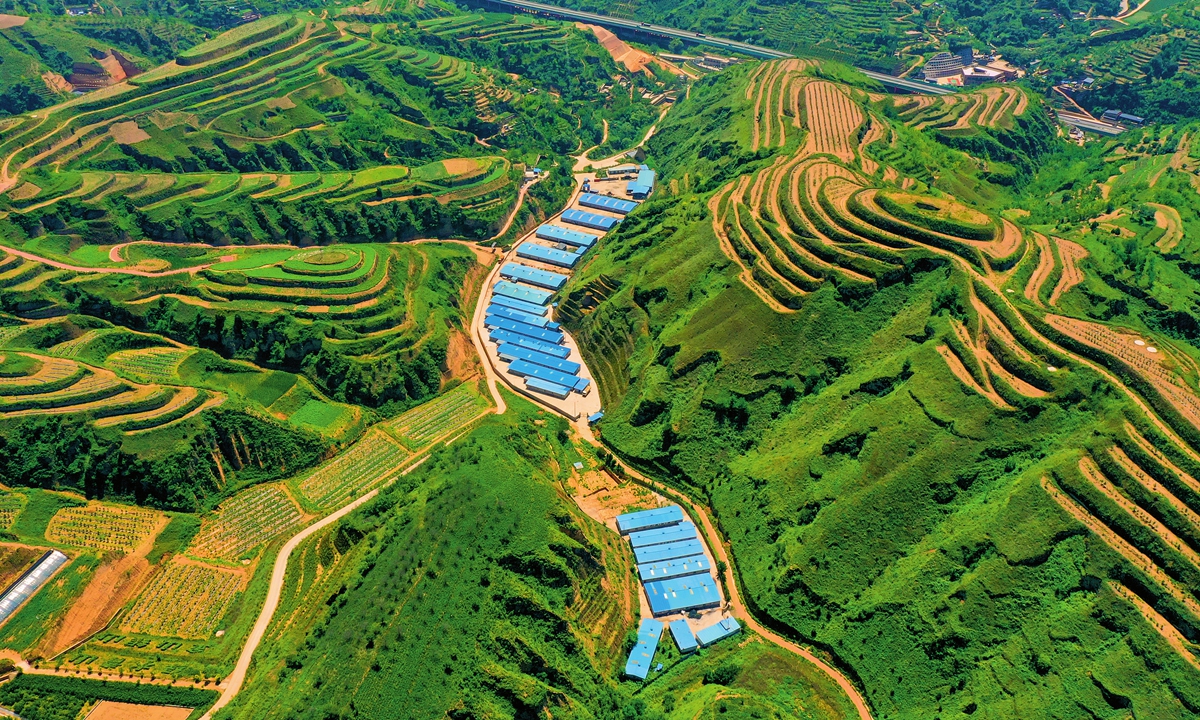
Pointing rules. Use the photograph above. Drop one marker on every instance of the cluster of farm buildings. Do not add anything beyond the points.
(518, 316)
(677, 579)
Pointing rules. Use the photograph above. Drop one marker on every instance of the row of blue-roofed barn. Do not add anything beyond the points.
(518, 316)
(676, 576)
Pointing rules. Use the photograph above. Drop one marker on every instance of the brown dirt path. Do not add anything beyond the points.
(1160, 624)
(1072, 253)
(1153, 486)
(113, 583)
(1092, 472)
(1120, 546)
(1044, 267)
(1160, 458)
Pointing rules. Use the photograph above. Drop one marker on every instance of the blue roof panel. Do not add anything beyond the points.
(647, 519)
(678, 567)
(587, 219)
(522, 292)
(519, 305)
(522, 368)
(533, 276)
(505, 336)
(642, 655)
(719, 631)
(681, 594)
(659, 536)
(518, 316)
(547, 388)
(568, 237)
(667, 551)
(515, 352)
(683, 636)
(520, 328)
(542, 253)
(604, 202)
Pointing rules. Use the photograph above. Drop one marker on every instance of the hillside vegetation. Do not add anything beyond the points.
(941, 423)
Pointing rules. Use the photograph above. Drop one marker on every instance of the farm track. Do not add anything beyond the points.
(1045, 266)
(1071, 253)
(1093, 474)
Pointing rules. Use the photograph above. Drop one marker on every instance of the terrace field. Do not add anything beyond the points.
(909, 351)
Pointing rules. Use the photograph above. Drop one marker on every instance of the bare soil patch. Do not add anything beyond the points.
(10, 21)
(280, 103)
(1072, 254)
(109, 710)
(460, 166)
(128, 133)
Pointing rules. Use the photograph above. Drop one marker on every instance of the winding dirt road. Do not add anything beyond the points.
(233, 683)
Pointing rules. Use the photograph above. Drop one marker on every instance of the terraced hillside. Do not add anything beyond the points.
(937, 424)
(298, 131)
(166, 364)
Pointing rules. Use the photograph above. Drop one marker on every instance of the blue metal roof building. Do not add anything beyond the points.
(693, 592)
(547, 388)
(587, 219)
(30, 581)
(533, 276)
(518, 316)
(595, 417)
(683, 636)
(711, 634)
(661, 536)
(643, 185)
(679, 567)
(519, 305)
(649, 519)
(553, 256)
(536, 296)
(667, 551)
(604, 202)
(556, 233)
(499, 336)
(508, 353)
(520, 328)
(642, 655)
(522, 368)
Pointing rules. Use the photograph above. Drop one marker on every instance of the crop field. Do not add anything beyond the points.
(439, 417)
(244, 522)
(246, 89)
(149, 365)
(185, 600)
(119, 528)
(993, 107)
(11, 504)
(364, 466)
(46, 385)
(814, 216)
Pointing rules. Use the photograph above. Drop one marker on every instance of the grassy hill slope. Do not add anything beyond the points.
(832, 326)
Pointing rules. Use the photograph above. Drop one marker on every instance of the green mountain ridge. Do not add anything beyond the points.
(877, 501)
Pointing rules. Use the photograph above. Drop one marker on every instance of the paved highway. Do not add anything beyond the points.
(701, 39)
